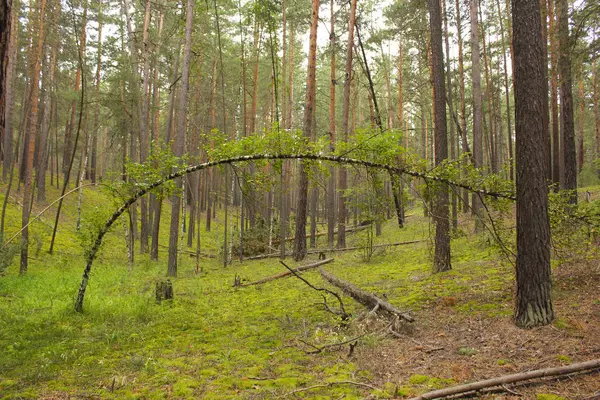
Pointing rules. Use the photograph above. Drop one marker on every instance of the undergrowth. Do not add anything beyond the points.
(213, 340)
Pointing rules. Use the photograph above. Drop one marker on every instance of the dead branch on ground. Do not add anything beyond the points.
(287, 273)
(365, 298)
(508, 379)
(342, 312)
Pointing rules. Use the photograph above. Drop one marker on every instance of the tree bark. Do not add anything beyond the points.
(309, 134)
(477, 107)
(441, 258)
(343, 174)
(533, 302)
(331, 192)
(556, 145)
(567, 122)
(30, 146)
(180, 139)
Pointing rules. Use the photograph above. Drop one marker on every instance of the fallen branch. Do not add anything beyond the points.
(334, 250)
(349, 230)
(342, 313)
(508, 379)
(287, 273)
(365, 298)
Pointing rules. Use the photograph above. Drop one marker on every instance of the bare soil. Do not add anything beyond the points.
(447, 344)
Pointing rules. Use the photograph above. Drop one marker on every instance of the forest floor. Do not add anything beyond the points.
(216, 341)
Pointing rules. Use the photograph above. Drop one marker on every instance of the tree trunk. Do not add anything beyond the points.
(567, 122)
(441, 258)
(30, 146)
(309, 134)
(144, 134)
(477, 107)
(180, 139)
(461, 92)
(511, 174)
(452, 138)
(343, 174)
(533, 302)
(596, 112)
(96, 132)
(42, 159)
(556, 145)
(331, 192)
(581, 149)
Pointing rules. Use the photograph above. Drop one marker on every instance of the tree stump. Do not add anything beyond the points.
(164, 290)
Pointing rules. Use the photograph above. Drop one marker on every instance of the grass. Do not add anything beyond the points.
(212, 341)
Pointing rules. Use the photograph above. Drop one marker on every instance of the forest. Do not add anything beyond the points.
(329, 199)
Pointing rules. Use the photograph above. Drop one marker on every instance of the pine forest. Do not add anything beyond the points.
(300, 199)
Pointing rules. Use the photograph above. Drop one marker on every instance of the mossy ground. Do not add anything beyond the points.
(215, 341)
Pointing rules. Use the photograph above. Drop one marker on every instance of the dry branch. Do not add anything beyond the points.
(508, 379)
(288, 273)
(349, 230)
(334, 250)
(365, 298)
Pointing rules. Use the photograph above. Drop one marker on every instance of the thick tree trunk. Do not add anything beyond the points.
(96, 132)
(441, 258)
(533, 302)
(180, 140)
(309, 134)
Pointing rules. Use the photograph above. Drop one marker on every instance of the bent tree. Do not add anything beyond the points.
(97, 242)
(534, 302)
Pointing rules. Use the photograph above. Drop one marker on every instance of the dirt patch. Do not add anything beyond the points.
(448, 347)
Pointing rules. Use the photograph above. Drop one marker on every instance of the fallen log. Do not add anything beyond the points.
(288, 273)
(365, 298)
(349, 230)
(334, 250)
(508, 379)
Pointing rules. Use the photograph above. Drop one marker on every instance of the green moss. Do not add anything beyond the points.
(418, 379)
(544, 396)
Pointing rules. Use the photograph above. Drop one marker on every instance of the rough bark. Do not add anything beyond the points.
(180, 139)
(309, 134)
(30, 145)
(8, 55)
(441, 258)
(477, 105)
(554, 96)
(533, 301)
(567, 122)
(343, 174)
(331, 192)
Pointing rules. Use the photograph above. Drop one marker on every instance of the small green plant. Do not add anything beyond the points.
(467, 351)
